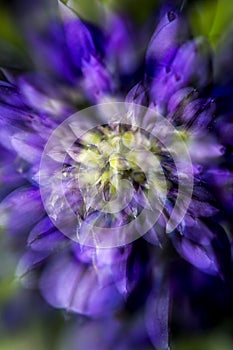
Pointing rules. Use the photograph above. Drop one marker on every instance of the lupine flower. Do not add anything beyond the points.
(77, 65)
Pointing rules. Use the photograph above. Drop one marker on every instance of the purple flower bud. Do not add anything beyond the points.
(170, 33)
(138, 95)
(191, 66)
(197, 111)
(181, 98)
(192, 63)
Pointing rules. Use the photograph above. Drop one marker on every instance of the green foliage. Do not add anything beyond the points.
(211, 18)
(12, 46)
(93, 10)
(8, 31)
(211, 341)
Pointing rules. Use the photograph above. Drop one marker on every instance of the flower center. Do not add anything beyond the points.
(106, 156)
(110, 171)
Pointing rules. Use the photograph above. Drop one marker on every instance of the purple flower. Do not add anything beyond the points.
(74, 70)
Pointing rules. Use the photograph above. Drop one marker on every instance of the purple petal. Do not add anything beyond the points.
(67, 283)
(41, 100)
(138, 95)
(10, 95)
(157, 235)
(6, 132)
(120, 50)
(198, 113)
(83, 253)
(202, 257)
(181, 98)
(50, 52)
(170, 33)
(45, 237)
(96, 79)
(222, 250)
(202, 209)
(193, 62)
(157, 316)
(79, 41)
(205, 117)
(13, 114)
(29, 261)
(78, 37)
(20, 210)
(114, 263)
(222, 180)
(195, 230)
(27, 266)
(112, 266)
(224, 128)
(204, 148)
(10, 176)
(191, 66)
(28, 146)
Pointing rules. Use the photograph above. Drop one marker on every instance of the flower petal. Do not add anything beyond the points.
(191, 66)
(20, 210)
(66, 283)
(157, 315)
(10, 95)
(168, 36)
(27, 266)
(200, 256)
(52, 59)
(97, 81)
(120, 51)
(28, 146)
(45, 237)
(79, 41)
